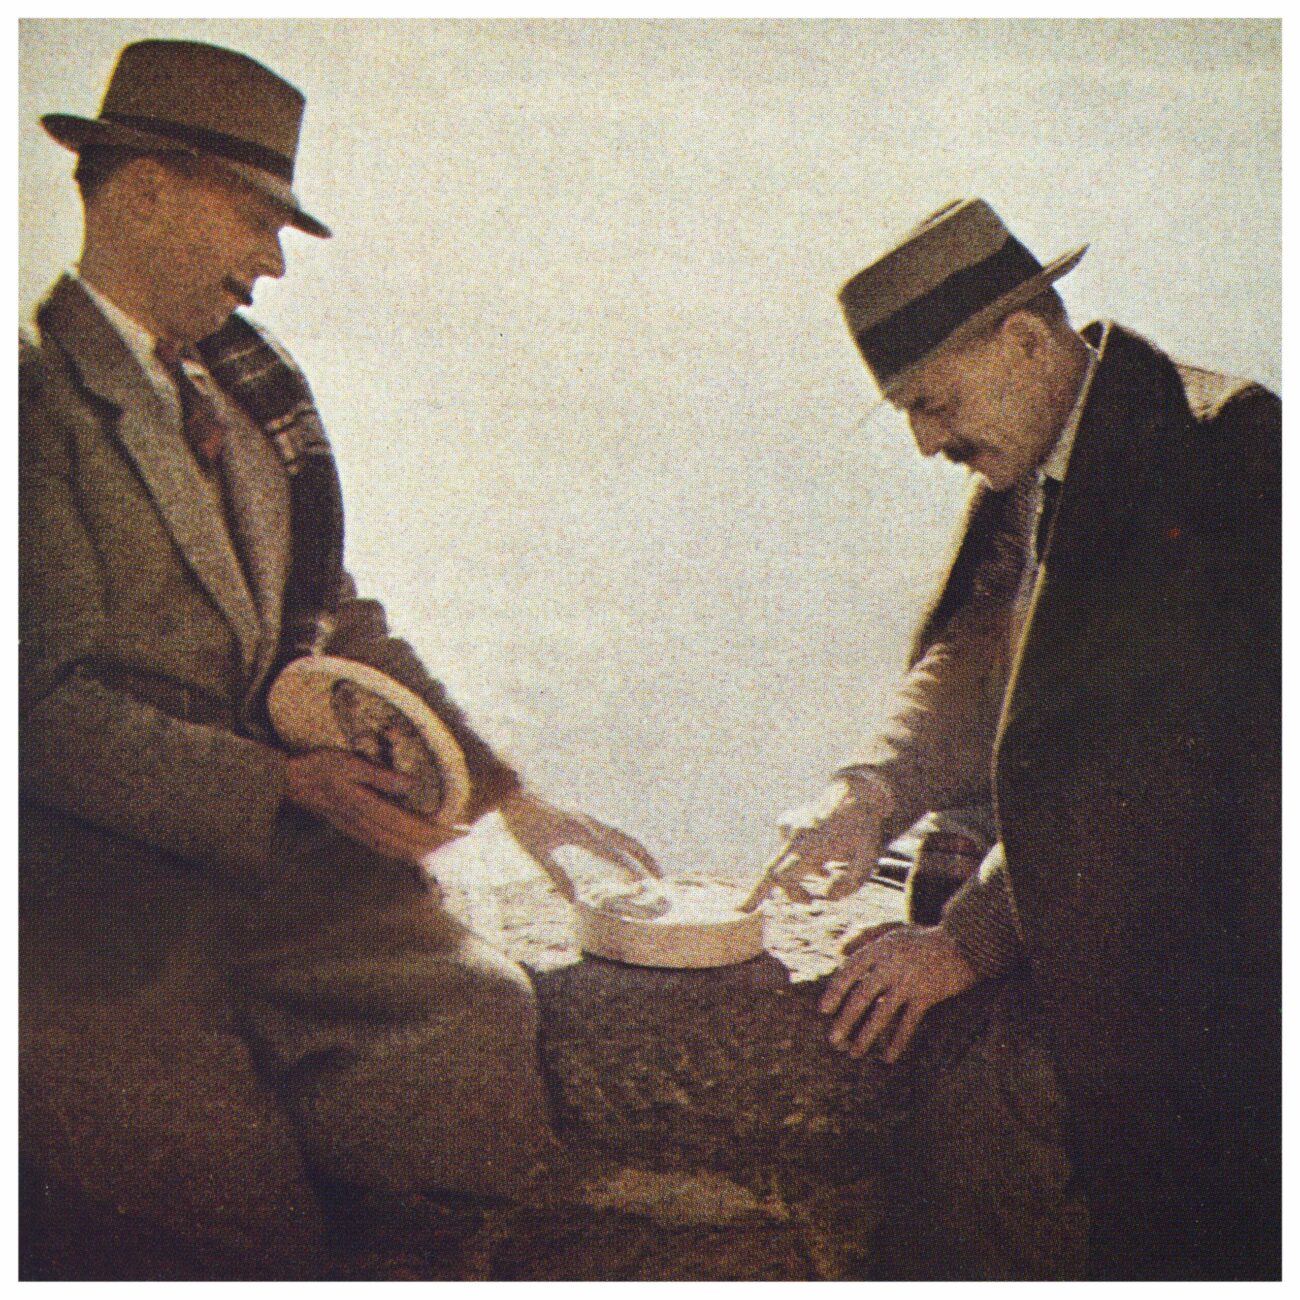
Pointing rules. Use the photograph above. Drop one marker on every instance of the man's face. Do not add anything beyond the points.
(987, 405)
(211, 238)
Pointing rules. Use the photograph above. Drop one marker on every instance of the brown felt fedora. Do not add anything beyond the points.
(184, 96)
(958, 271)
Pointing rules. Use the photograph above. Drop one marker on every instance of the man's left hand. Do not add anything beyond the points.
(540, 828)
(889, 983)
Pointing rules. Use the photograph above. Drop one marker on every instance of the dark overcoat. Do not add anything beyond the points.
(1136, 780)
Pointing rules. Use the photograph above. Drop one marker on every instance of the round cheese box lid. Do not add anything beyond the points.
(323, 702)
(684, 922)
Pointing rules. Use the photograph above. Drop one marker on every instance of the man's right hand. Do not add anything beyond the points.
(845, 826)
(356, 798)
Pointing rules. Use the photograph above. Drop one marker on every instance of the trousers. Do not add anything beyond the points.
(344, 1030)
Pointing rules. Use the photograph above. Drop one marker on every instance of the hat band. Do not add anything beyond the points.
(915, 330)
(229, 147)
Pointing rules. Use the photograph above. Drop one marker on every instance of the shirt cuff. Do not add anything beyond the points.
(905, 805)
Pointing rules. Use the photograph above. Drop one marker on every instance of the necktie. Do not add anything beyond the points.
(205, 423)
(1046, 514)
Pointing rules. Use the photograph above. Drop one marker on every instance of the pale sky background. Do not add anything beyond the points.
(576, 341)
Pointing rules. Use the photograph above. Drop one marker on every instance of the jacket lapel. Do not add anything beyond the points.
(151, 436)
(1135, 393)
(258, 493)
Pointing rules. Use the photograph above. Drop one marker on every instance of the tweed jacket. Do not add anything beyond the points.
(149, 620)
(1130, 741)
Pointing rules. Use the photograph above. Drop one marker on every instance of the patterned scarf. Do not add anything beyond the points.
(991, 559)
(254, 371)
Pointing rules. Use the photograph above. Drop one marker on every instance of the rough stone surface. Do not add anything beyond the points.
(726, 1069)
(711, 1132)
(708, 1130)
(700, 1164)
(612, 1249)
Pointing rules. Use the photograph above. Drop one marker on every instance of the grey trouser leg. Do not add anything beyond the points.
(404, 1047)
(156, 1149)
(451, 1099)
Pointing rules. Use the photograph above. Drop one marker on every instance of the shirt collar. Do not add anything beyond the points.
(1058, 461)
(134, 335)
(139, 341)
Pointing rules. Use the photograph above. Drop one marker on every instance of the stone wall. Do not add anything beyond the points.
(711, 1131)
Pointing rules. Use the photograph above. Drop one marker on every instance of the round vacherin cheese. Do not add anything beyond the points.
(683, 922)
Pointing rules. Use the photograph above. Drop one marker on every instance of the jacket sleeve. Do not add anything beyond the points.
(362, 633)
(95, 752)
(935, 749)
(981, 918)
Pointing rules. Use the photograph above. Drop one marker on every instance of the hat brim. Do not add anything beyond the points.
(76, 133)
(1024, 292)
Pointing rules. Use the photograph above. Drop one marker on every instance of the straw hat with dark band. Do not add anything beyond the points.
(959, 270)
(200, 99)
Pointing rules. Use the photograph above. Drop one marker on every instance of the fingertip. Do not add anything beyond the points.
(845, 886)
(870, 1037)
(902, 1040)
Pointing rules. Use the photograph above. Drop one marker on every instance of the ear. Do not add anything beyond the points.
(1027, 332)
(141, 186)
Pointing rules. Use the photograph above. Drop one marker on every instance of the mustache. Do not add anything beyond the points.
(240, 291)
(961, 453)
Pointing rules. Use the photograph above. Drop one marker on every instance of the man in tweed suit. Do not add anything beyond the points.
(1104, 665)
(239, 992)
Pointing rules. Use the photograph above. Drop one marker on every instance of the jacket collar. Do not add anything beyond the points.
(1135, 399)
(151, 436)
(1135, 391)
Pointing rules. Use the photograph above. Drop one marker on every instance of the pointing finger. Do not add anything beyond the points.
(767, 879)
(621, 858)
(638, 852)
(546, 860)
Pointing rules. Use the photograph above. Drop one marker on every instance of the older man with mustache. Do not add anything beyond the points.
(1103, 665)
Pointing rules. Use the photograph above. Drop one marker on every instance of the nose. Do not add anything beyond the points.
(928, 433)
(270, 258)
